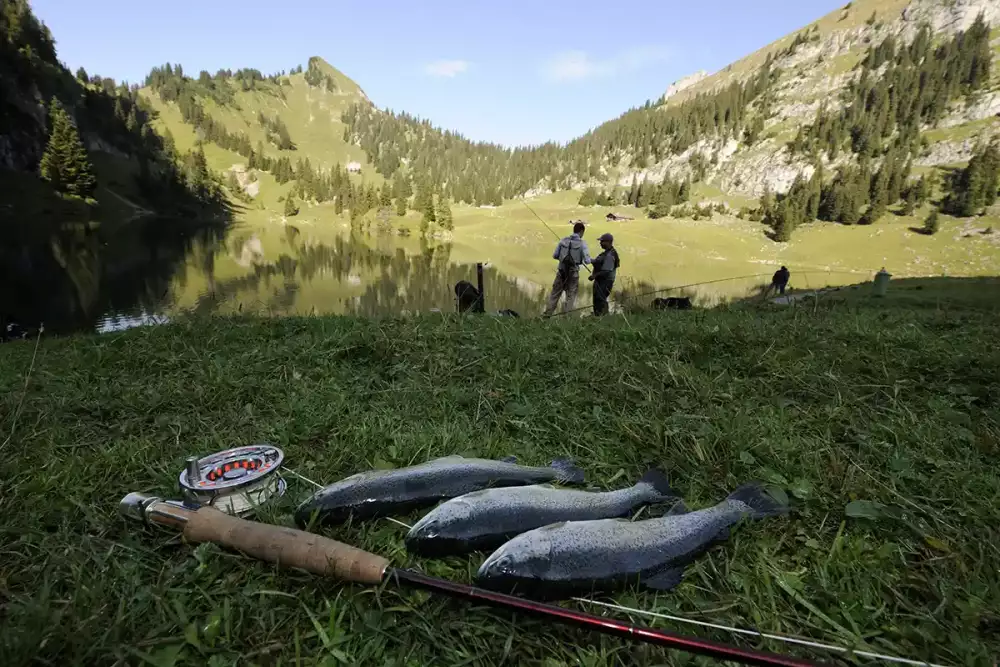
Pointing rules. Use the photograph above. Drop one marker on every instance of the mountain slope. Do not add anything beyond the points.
(131, 162)
(750, 129)
(247, 124)
(70, 251)
(818, 63)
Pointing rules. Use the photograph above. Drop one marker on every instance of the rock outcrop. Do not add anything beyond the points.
(684, 83)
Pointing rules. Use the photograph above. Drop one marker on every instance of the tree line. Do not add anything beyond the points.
(485, 173)
(87, 107)
(316, 77)
(918, 83)
(658, 198)
(880, 123)
(277, 131)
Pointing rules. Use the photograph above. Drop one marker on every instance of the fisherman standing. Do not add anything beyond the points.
(605, 269)
(571, 252)
(780, 280)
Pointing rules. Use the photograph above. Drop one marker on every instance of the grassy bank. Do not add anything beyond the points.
(845, 401)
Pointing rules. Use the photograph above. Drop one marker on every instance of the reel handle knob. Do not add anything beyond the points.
(285, 546)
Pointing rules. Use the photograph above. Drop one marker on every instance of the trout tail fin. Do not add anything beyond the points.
(567, 472)
(760, 503)
(657, 479)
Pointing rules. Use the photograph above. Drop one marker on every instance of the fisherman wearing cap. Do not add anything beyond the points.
(605, 268)
(571, 252)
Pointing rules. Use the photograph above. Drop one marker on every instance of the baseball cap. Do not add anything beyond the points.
(606, 237)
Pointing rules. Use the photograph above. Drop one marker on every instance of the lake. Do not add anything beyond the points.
(88, 277)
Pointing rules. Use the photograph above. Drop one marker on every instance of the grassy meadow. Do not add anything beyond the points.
(892, 401)
(713, 260)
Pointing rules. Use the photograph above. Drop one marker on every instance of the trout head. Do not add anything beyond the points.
(520, 563)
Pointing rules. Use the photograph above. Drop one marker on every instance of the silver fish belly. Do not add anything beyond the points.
(486, 519)
(382, 492)
(600, 554)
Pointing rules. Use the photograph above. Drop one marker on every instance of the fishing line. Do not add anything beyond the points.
(764, 635)
(547, 227)
(302, 477)
(707, 282)
(24, 390)
(320, 486)
(741, 631)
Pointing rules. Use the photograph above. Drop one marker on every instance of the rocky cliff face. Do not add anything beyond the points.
(685, 83)
(815, 73)
(23, 139)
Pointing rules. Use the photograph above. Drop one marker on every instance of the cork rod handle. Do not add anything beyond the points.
(286, 546)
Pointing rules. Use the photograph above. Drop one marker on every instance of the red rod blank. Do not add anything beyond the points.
(600, 624)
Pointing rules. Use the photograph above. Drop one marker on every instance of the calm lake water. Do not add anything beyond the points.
(85, 277)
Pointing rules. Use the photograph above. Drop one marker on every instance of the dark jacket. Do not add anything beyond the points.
(606, 265)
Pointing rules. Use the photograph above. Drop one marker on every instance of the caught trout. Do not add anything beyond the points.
(599, 555)
(483, 520)
(378, 493)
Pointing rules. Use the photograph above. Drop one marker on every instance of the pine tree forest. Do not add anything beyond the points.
(879, 127)
(84, 106)
(861, 150)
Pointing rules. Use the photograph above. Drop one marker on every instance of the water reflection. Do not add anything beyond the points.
(80, 277)
(70, 276)
(357, 275)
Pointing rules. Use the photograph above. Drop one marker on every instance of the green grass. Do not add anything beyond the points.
(835, 21)
(934, 293)
(667, 252)
(847, 401)
(985, 127)
(672, 251)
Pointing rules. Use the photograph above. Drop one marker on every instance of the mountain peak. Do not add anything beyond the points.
(685, 82)
(341, 82)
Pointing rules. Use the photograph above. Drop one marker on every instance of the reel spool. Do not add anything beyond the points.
(235, 481)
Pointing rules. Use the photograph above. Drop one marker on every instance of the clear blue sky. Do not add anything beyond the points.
(514, 72)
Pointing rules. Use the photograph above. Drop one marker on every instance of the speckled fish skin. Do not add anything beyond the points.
(380, 493)
(598, 555)
(483, 520)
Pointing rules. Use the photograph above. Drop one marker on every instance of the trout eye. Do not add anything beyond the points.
(503, 563)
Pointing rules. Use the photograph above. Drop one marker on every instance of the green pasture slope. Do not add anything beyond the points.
(847, 399)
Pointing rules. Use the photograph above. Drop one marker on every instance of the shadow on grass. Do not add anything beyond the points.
(980, 293)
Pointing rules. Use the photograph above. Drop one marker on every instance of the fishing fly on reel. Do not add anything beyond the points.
(236, 480)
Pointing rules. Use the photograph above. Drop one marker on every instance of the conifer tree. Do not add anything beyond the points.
(401, 206)
(65, 163)
(444, 217)
(290, 208)
(685, 192)
(975, 187)
(589, 197)
(645, 195)
(633, 193)
(428, 210)
(197, 165)
(932, 224)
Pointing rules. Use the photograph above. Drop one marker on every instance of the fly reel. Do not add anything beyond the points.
(235, 481)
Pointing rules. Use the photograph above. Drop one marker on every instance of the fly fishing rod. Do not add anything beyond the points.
(290, 547)
(547, 227)
(240, 479)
